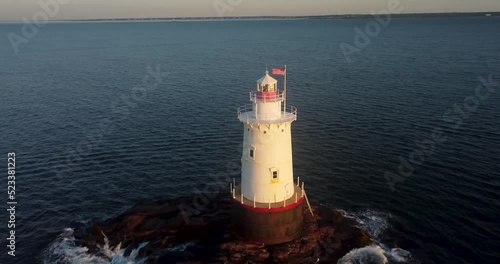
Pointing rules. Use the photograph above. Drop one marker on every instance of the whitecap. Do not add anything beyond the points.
(397, 255)
(65, 251)
(374, 223)
(366, 255)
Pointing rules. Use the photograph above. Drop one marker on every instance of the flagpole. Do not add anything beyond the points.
(284, 90)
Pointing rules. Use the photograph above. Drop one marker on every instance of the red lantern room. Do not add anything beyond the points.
(267, 88)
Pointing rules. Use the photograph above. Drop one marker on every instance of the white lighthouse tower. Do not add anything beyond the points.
(268, 205)
(266, 162)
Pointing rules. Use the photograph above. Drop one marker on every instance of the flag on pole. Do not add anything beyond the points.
(279, 71)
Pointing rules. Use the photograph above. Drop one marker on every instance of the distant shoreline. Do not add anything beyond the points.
(322, 17)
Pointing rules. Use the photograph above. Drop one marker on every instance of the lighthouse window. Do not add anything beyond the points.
(275, 174)
(251, 152)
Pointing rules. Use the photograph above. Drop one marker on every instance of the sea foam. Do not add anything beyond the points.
(65, 250)
(374, 223)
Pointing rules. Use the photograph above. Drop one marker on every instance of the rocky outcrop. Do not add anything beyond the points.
(183, 230)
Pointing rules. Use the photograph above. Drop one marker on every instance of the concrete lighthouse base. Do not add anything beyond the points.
(270, 223)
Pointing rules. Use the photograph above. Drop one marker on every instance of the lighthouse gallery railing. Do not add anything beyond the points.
(247, 114)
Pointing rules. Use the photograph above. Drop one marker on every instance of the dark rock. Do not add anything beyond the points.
(179, 231)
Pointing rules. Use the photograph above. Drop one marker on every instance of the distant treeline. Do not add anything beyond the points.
(345, 16)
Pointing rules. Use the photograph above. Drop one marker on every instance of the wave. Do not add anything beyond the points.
(366, 255)
(374, 223)
(65, 251)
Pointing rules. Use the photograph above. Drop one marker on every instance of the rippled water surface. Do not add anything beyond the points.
(76, 88)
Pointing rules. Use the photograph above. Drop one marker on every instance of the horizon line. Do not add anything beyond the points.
(260, 16)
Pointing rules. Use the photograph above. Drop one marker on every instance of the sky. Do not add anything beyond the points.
(92, 9)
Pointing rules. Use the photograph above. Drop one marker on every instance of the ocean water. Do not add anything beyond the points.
(94, 131)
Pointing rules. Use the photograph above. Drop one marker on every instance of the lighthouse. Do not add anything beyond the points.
(267, 203)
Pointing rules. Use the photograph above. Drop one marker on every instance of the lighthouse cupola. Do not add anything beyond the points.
(267, 100)
(267, 84)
